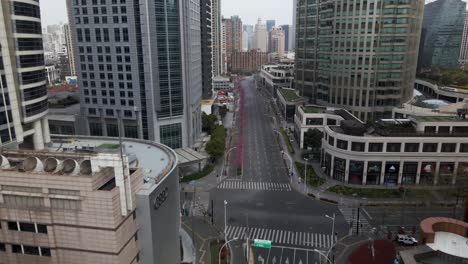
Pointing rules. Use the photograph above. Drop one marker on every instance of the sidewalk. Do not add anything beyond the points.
(321, 193)
(202, 234)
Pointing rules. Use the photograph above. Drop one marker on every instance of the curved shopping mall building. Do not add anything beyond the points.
(446, 93)
(22, 70)
(429, 150)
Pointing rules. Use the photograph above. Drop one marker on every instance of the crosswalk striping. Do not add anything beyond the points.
(284, 237)
(350, 215)
(263, 186)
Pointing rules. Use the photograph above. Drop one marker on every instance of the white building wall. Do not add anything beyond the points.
(261, 36)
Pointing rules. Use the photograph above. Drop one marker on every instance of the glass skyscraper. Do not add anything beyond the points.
(442, 34)
(358, 55)
(133, 67)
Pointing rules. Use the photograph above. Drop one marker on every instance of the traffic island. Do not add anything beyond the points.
(312, 179)
(215, 246)
(381, 193)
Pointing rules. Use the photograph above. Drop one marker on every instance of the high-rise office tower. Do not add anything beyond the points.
(250, 34)
(245, 41)
(69, 45)
(367, 64)
(133, 68)
(232, 36)
(23, 106)
(463, 59)
(270, 24)
(287, 36)
(261, 36)
(206, 48)
(217, 34)
(223, 47)
(192, 60)
(276, 41)
(442, 34)
(292, 46)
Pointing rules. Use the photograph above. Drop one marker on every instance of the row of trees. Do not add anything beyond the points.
(217, 144)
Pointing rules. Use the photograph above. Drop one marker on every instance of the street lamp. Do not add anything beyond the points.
(323, 255)
(224, 246)
(305, 175)
(333, 226)
(333, 233)
(225, 220)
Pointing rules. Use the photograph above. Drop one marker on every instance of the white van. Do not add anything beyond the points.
(406, 240)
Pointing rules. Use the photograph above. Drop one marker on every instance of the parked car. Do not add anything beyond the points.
(406, 240)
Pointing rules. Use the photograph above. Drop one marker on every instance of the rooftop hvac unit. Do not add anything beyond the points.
(52, 165)
(33, 164)
(4, 163)
(71, 167)
(85, 167)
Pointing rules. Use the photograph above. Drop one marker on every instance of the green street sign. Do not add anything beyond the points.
(262, 243)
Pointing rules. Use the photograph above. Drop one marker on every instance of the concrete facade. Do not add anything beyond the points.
(85, 202)
(232, 38)
(261, 36)
(276, 41)
(446, 93)
(248, 62)
(419, 150)
(70, 51)
(23, 79)
(275, 76)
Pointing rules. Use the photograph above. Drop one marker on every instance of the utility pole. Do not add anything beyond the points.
(212, 212)
(358, 222)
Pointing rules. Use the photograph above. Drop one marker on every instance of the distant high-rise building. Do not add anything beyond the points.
(276, 41)
(139, 68)
(223, 47)
(250, 34)
(464, 46)
(24, 102)
(245, 41)
(367, 79)
(292, 46)
(248, 62)
(442, 34)
(287, 36)
(217, 34)
(206, 47)
(270, 24)
(232, 36)
(69, 46)
(261, 36)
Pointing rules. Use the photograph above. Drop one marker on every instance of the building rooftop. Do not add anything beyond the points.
(92, 157)
(289, 95)
(157, 159)
(221, 79)
(312, 109)
(438, 119)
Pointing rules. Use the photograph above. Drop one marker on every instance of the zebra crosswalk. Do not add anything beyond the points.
(262, 186)
(283, 237)
(350, 215)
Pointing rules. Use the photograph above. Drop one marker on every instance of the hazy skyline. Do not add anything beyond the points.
(54, 11)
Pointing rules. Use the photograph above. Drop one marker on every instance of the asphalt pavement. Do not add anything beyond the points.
(261, 203)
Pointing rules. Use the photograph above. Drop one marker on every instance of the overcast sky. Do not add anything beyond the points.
(53, 11)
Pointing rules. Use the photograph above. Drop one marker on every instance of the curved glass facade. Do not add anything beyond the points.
(358, 55)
